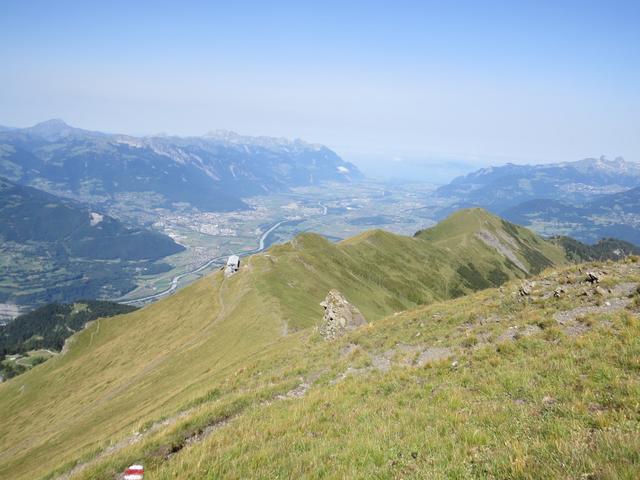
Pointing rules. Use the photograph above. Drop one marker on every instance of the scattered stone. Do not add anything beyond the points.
(349, 372)
(576, 329)
(548, 400)
(509, 334)
(433, 354)
(530, 330)
(599, 291)
(296, 392)
(557, 293)
(381, 363)
(406, 352)
(625, 289)
(348, 349)
(612, 306)
(514, 332)
(339, 316)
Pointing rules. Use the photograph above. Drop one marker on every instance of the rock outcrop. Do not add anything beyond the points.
(339, 316)
(593, 278)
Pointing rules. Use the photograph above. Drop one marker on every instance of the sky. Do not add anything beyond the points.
(398, 87)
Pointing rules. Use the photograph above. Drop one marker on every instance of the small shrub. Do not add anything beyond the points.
(630, 321)
(552, 334)
(546, 323)
(470, 341)
(588, 321)
(506, 348)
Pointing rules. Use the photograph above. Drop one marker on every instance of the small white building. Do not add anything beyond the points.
(233, 265)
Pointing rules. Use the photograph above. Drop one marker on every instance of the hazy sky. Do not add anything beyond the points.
(483, 82)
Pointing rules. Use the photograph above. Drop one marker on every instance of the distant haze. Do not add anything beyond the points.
(401, 88)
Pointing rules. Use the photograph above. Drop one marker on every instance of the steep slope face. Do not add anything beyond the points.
(475, 229)
(190, 351)
(499, 188)
(54, 249)
(211, 172)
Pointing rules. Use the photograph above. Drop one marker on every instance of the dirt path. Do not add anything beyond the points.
(94, 333)
(196, 437)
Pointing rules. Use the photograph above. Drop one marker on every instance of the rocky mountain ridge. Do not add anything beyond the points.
(211, 172)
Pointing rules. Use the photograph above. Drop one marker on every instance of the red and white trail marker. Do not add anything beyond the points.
(134, 472)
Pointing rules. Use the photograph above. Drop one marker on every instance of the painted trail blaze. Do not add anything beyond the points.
(134, 472)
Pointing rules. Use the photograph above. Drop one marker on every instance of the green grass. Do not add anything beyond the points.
(544, 406)
(215, 352)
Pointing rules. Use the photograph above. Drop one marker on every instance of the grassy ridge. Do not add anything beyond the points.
(542, 404)
(383, 273)
(222, 347)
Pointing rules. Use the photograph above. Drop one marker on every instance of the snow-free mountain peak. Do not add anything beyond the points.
(212, 173)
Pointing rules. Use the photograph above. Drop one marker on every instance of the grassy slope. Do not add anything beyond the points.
(382, 272)
(122, 374)
(461, 228)
(544, 404)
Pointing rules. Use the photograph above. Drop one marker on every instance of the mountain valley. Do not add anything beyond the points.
(55, 249)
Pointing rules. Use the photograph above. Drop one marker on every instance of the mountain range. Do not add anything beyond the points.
(55, 249)
(499, 188)
(613, 215)
(212, 172)
(231, 378)
(589, 199)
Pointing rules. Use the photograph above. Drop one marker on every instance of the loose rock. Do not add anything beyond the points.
(592, 278)
(525, 290)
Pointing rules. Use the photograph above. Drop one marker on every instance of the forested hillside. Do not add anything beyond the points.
(55, 249)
